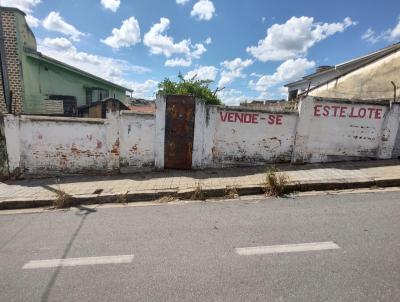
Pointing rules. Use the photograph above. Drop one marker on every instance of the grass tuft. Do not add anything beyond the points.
(231, 192)
(63, 200)
(166, 199)
(122, 198)
(198, 193)
(275, 182)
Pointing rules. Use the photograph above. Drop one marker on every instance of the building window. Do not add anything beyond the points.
(94, 94)
(292, 95)
(88, 96)
(102, 94)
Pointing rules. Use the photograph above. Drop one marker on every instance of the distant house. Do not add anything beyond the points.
(141, 105)
(100, 108)
(264, 105)
(33, 83)
(367, 77)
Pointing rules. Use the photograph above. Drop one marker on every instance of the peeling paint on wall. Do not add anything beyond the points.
(253, 137)
(339, 129)
(3, 152)
(137, 135)
(323, 130)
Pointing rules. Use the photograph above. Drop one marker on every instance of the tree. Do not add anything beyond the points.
(197, 88)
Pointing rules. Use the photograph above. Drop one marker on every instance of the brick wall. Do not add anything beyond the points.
(3, 107)
(14, 68)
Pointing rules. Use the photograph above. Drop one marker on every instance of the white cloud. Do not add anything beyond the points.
(232, 97)
(178, 62)
(182, 2)
(112, 5)
(391, 34)
(32, 21)
(395, 32)
(203, 73)
(127, 35)
(289, 70)
(283, 91)
(293, 38)
(198, 50)
(24, 5)
(58, 43)
(203, 10)
(162, 44)
(371, 37)
(208, 41)
(111, 69)
(54, 22)
(233, 70)
(147, 89)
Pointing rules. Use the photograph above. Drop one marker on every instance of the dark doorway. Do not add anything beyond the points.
(179, 132)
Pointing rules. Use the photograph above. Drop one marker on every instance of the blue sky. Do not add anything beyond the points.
(249, 47)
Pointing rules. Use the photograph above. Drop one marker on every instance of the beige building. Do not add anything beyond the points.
(373, 76)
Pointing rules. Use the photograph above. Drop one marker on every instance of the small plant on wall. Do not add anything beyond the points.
(197, 88)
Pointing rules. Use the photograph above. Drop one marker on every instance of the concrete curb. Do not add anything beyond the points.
(341, 184)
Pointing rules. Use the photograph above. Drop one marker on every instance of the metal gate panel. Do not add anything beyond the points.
(179, 132)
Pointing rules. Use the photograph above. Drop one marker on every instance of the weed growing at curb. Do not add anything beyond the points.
(231, 192)
(275, 182)
(166, 199)
(198, 193)
(62, 200)
(122, 198)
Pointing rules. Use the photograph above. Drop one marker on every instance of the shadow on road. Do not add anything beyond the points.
(22, 228)
(84, 212)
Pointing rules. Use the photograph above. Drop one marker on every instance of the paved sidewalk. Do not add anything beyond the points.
(182, 184)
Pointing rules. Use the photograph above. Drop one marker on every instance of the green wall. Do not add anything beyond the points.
(43, 77)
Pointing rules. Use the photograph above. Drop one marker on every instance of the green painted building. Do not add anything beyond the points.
(33, 83)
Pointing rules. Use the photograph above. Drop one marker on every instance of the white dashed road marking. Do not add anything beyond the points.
(78, 261)
(288, 248)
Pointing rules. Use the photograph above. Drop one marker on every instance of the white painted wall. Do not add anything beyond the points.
(223, 136)
(161, 104)
(11, 131)
(390, 133)
(323, 135)
(204, 133)
(252, 137)
(41, 145)
(63, 144)
(137, 137)
(396, 149)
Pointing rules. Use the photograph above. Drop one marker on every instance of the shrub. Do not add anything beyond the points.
(197, 88)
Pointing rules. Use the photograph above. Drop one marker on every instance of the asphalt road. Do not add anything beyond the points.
(187, 252)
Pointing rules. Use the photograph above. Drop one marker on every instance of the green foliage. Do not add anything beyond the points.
(198, 88)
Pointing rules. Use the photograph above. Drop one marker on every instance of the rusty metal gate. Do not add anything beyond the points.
(179, 132)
